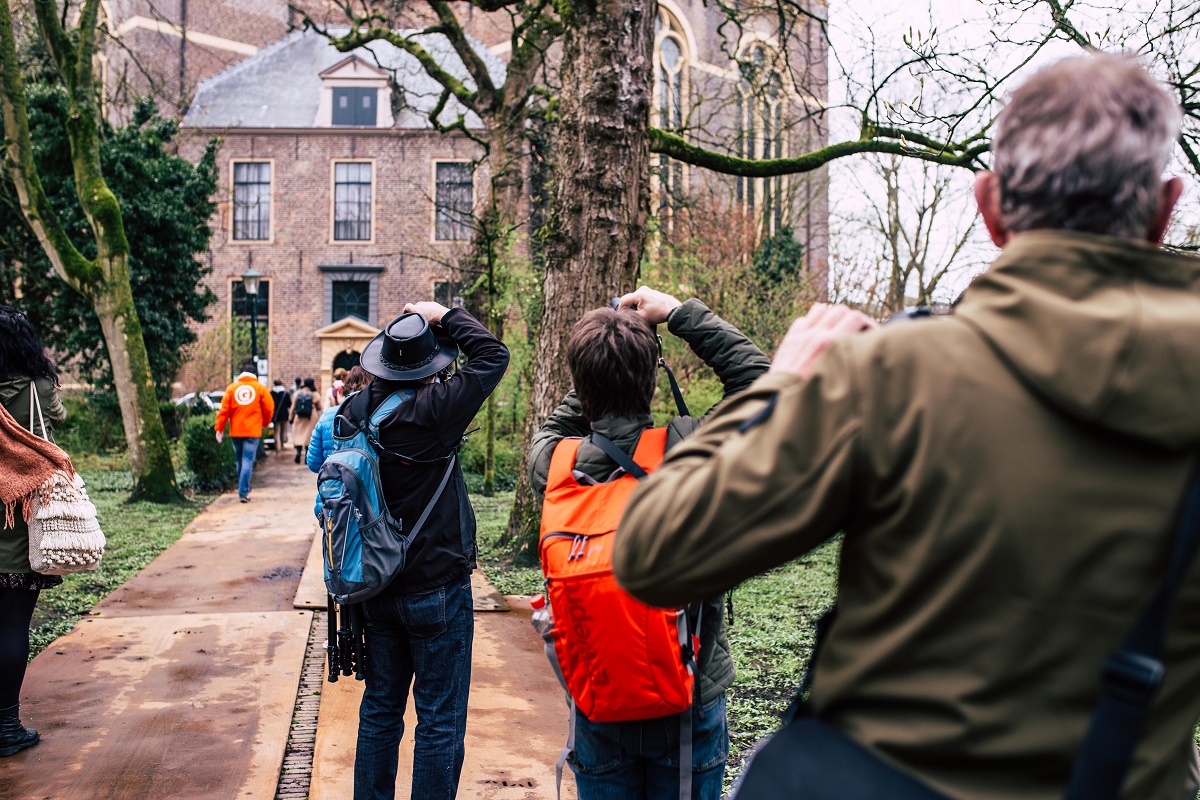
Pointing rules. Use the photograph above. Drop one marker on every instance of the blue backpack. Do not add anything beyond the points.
(364, 545)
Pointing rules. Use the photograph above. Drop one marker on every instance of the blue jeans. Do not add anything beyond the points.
(244, 452)
(640, 760)
(424, 636)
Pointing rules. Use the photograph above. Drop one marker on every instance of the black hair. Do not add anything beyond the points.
(310, 384)
(21, 351)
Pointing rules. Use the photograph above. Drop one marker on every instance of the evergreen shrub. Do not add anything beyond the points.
(508, 459)
(211, 463)
(93, 425)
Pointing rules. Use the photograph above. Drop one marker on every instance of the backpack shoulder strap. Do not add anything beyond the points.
(390, 404)
(651, 447)
(562, 462)
(349, 419)
(1133, 673)
(618, 455)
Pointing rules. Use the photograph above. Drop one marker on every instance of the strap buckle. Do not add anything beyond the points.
(1131, 676)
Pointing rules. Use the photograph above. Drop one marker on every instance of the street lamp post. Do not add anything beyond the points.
(250, 279)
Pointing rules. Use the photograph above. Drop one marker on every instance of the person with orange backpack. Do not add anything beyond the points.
(647, 686)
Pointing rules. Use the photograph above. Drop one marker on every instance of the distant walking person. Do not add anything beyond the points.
(336, 393)
(306, 410)
(247, 407)
(283, 404)
(24, 369)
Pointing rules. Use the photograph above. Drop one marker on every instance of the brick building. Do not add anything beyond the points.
(340, 194)
(334, 186)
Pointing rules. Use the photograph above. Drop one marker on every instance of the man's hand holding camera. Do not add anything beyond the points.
(651, 305)
(433, 312)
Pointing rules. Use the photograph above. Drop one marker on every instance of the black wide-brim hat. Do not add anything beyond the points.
(408, 350)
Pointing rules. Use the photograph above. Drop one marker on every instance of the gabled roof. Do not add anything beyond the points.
(347, 327)
(280, 86)
(354, 59)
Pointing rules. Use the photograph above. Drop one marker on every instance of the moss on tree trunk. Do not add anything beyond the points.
(601, 199)
(105, 279)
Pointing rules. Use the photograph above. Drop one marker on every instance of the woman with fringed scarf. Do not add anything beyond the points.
(26, 463)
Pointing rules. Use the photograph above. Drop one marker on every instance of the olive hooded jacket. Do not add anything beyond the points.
(1008, 481)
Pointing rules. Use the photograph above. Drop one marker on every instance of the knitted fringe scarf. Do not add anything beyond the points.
(28, 464)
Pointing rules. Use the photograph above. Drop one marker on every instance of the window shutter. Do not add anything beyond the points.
(364, 111)
(343, 106)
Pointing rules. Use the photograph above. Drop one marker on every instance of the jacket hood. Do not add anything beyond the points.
(1107, 330)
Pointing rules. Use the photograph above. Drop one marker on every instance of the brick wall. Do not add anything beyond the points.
(302, 189)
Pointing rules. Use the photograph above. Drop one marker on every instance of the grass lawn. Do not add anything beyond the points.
(771, 636)
(136, 533)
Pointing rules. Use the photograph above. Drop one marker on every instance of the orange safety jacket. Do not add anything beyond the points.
(247, 406)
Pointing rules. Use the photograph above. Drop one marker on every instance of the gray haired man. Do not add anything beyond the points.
(1008, 479)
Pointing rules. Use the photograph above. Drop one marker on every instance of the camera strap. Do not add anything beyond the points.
(680, 405)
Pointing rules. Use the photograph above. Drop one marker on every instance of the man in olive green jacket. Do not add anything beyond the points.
(737, 362)
(1008, 479)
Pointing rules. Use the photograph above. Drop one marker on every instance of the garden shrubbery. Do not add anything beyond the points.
(210, 462)
(93, 424)
(507, 455)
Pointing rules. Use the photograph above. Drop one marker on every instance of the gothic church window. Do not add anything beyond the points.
(762, 134)
(671, 58)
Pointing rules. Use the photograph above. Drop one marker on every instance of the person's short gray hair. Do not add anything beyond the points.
(1082, 146)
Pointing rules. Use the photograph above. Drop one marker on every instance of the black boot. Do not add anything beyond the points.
(298, 451)
(14, 737)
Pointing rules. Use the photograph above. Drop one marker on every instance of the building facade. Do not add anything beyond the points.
(337, 190)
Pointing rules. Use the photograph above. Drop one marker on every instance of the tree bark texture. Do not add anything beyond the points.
(601, 195)
(104, 280)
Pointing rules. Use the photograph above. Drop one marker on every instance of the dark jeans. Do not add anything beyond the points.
(426, 637)
(640, 760)
(16, 611)
(244, 452)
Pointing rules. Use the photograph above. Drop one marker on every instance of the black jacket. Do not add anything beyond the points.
(283, 403)
(427, 427)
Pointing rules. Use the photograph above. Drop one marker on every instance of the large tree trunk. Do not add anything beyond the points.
(149, 452)
(601, 199)
(105, 280)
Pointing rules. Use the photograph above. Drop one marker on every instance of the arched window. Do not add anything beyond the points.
(762, 134)
(670, 87)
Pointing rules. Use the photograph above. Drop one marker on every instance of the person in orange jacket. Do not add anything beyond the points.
(247, 406)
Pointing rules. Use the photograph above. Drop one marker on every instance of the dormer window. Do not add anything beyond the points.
(354, 94)
(354, 106)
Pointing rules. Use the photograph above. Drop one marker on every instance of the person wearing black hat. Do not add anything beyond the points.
(419, 629)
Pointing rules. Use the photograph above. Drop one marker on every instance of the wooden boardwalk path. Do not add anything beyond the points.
(183, 682)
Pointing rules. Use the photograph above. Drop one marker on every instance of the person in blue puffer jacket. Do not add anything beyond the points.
(321, 444)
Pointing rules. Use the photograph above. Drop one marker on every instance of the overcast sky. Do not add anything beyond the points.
(860, 28)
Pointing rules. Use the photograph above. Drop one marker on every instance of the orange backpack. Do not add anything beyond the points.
(620, 659)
